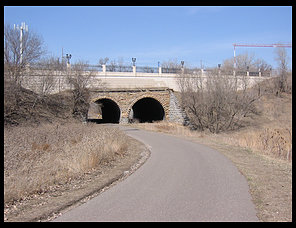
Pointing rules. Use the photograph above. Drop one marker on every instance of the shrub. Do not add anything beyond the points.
(218, 103)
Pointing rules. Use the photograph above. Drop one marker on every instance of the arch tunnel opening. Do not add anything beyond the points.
(147, 110)
(108, 110)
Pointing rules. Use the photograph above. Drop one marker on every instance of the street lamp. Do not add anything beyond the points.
(134, 61)
(219, 71)
(68, 57)
(182, 63)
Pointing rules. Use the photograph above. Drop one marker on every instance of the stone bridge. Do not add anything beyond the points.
(134, 105)
(122, 97)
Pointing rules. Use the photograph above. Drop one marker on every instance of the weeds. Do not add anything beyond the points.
(277, 142)
(36, 158)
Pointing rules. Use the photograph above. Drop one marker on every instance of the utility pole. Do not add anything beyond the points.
(21, 28)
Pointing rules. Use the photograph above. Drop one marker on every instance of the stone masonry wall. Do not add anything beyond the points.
(125, 99)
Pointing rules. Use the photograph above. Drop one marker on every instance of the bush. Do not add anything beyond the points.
(218, 103)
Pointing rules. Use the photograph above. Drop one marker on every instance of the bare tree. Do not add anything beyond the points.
(262, 66)
(32, 50)
(112, 66)
(121, 65)
(217, 103)
(170, 65)
(244, 62)
(282, 59)
(103, 61)
(15, 69)
(79, 79)
(49, 70)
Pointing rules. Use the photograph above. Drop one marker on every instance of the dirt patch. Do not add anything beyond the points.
(48, 204)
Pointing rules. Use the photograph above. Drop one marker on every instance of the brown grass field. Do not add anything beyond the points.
(36, 158)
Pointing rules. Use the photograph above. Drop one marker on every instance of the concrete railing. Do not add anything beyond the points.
(37, 81)
(146, 70)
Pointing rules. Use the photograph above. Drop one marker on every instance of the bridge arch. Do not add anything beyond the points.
(146, 109)
(107, 110)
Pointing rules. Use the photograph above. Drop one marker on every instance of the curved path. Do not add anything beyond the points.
(181, 181)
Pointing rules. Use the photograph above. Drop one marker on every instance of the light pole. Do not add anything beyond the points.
(219, 67)
(182, 67)
(134, 61)
(182, 64)
(134, 66)
(21, 28)
(68, 57)
(248, 71)
(159, 68)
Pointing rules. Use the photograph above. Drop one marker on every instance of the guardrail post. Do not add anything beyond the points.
(159, 70)
(134, 70)
(104, 68)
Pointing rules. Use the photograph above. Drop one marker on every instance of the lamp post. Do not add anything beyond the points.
(219, 67)
(134, 66)
(68, 57)
(159, 68)
(134, 61)
(182, 66)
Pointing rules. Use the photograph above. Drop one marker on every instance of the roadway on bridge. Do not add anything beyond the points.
(181, 181)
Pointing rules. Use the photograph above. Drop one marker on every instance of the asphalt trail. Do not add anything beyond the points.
(181, 181)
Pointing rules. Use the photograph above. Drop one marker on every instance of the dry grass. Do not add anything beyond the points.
(167, 127)
(270, 141)
(262, 151)
(36, 158)
(268, 134)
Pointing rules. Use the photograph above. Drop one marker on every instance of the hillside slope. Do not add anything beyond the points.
(24, 107)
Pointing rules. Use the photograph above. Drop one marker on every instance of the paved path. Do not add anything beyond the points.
(181, 181)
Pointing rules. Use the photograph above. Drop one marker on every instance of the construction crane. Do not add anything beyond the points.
(288, 45)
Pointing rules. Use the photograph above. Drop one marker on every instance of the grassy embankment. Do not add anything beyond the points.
(262, 151)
